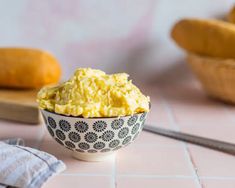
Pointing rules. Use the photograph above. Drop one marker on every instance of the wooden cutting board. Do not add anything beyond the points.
(19, 105)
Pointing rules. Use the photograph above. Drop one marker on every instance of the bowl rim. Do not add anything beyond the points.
(70, 116)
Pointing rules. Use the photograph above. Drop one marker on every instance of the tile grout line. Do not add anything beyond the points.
(85, 174)
(114, 177)
(160, 145)
(193, 165)
(217, 178)
(187, 154)
(150, 176)
(157, 176)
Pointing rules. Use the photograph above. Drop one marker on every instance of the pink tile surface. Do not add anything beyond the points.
(210, 163)
(79, 181)
(218, 183)
(32, 134)
(190, 104)
(140, 182)
(193, 114)
(152, 160)
(157, 116)
(221, 131)
(147, 138)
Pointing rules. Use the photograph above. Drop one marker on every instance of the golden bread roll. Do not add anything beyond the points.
(27, 68)
(206, 37)
(231, 15)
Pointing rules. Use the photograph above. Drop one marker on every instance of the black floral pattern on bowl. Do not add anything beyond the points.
(91, 137)
(135, 128)
(107, 135)
(64, 125)
(142, 117)
(74, 137)
(84, 146)
(114, 143)
(117, 148)
(126, 140)
(142, 124)
(99, 145)
(95, 135)
(92, 151)
(69, 144)
(59, 141)
(60, 134)
(79, 150)
(99, 126)
(123, 132)
(117, 124)
(105, 150)
(51, 122)
(132, 120)
(50, 131)
(81, 126)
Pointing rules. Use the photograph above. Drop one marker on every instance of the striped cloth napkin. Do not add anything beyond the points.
(25, 167)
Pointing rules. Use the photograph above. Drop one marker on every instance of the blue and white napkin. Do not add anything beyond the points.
(25, 167)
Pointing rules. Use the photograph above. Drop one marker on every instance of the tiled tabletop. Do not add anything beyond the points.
(152, 161)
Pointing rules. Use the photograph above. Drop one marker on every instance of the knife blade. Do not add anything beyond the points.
(214, 144)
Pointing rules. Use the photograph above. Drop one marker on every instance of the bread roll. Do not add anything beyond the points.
(27, 68)
(206, 37)
(231, 15)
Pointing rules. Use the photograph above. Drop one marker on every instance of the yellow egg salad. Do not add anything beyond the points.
(92, 93)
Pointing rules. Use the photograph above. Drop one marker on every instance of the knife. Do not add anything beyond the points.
(218, 145)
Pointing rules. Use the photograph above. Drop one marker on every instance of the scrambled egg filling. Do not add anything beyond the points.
(92, 93)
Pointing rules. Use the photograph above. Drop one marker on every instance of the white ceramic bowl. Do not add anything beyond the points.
(93, 139)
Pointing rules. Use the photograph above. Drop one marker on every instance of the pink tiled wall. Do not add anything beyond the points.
(131, 36)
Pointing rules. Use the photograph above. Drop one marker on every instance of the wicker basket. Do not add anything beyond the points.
(216, 75)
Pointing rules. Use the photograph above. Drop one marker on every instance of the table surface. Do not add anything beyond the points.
(152, 161)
